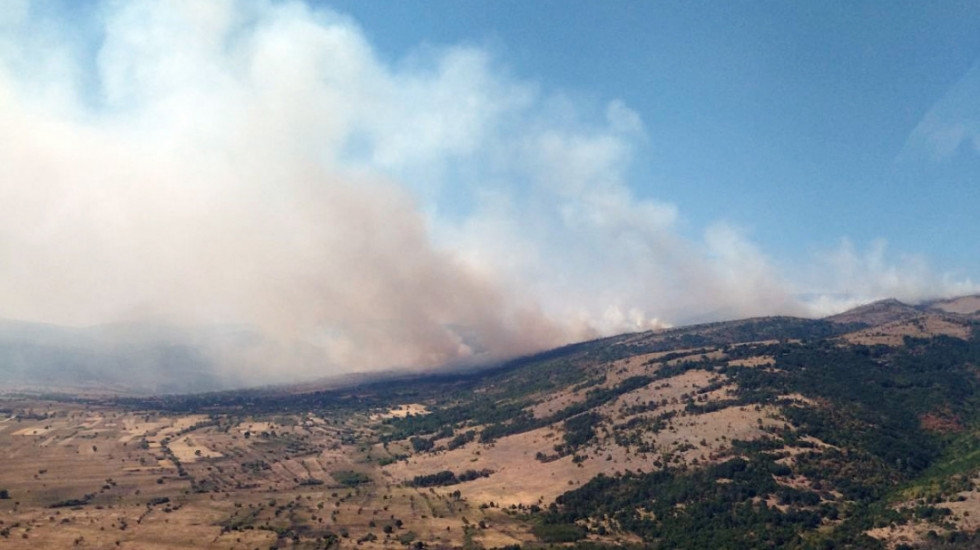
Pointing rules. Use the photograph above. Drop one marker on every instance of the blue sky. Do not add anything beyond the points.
(415, 183)
(789, 119)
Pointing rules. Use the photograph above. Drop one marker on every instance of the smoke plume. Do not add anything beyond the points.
(256, 163)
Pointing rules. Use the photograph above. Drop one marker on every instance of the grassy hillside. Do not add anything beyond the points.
(861, 431)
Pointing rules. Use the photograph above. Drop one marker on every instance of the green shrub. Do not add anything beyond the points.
(559, 532)
(350, 478)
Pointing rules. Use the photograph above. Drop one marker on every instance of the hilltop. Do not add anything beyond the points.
(859, 430)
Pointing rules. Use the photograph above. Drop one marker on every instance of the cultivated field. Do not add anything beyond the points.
(89, 477)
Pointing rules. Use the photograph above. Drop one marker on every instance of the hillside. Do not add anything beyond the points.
(968, 305)
(861, 430)
(878, 313)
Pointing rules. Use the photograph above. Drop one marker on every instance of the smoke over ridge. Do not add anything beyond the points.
(257, 162)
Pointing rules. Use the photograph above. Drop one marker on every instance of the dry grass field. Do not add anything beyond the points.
(115, 474)
(89, 477)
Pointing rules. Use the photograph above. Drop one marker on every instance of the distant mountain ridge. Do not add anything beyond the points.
(890, 310)
(967, 305)
(160, 358)
(121, 358)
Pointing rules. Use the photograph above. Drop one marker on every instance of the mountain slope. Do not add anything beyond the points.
(858, 431)
(813, 436)
(756, 433)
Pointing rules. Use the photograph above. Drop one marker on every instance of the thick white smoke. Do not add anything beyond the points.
(256, 162)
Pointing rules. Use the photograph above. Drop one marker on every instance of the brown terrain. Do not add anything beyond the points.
(101, 474)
